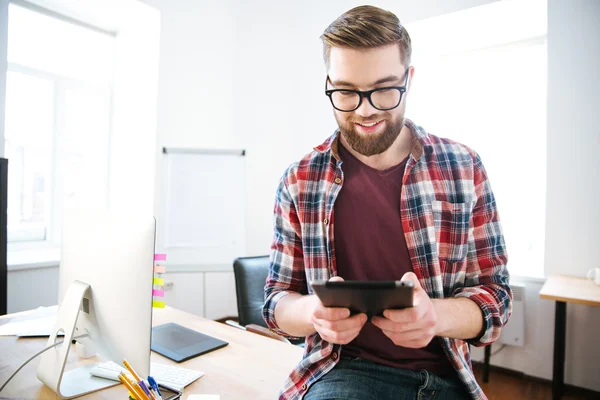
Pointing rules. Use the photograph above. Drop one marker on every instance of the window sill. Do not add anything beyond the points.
(32, 259)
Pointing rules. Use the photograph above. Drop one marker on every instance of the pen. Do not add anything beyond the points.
(153, 388)
(136, 377)
(154, 385)
(141, 392)
(128, 385)
(155, 394)
(140, 383)
(146, 390)
(137, 390)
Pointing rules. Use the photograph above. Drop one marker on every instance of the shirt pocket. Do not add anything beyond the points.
(451, 222)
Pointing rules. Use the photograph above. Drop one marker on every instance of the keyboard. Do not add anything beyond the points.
(173, 377)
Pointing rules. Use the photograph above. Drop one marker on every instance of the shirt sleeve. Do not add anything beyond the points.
(286, 272)
(487, 278)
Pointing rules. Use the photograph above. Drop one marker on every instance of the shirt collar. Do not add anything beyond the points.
(420, 142)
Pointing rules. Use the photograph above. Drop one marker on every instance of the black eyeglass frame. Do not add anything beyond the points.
(362, 94)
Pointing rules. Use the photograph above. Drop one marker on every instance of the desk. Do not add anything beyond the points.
(250, 367)
(563, 290)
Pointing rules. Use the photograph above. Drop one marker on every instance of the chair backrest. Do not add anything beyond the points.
(250, 277)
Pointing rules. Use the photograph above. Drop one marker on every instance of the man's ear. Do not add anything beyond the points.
(411, 74)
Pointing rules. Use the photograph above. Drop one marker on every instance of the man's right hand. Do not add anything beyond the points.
(335, 324)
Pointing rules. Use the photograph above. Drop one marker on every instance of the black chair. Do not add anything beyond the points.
(250, 277)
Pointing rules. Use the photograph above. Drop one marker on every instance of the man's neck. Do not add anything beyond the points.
(393, 156)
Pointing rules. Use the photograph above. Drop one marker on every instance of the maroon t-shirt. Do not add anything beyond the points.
(370, 245)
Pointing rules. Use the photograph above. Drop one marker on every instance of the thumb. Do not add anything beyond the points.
(411, 277)
(336, 279)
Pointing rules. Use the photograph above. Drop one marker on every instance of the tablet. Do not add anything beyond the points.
(179, 343)
(370, 297)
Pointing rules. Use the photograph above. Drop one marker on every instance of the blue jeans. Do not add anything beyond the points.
(362, 380)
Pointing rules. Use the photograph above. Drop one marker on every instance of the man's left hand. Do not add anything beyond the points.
(410, 327)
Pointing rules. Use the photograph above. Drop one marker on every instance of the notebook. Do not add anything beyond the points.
(179, 343)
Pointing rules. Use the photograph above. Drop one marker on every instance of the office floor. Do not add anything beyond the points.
(506, 386)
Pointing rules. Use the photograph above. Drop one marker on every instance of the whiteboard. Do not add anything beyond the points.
(202, 220)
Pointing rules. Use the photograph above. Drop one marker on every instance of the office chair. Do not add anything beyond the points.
(250, 277)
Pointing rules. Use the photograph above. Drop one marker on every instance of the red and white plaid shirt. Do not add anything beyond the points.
(454, 238)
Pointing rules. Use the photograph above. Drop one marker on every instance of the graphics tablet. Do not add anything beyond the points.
(179, 343)
(369, 297)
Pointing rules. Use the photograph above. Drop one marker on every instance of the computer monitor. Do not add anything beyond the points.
(106, 278)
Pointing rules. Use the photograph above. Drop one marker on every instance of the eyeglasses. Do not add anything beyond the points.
(383, 99)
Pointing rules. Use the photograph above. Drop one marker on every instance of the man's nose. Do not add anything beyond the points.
(365, 109)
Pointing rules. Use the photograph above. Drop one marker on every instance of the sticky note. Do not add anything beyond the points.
(158, 293)
(160, 257)
(160, 269)
(158, 281)
(158, 304)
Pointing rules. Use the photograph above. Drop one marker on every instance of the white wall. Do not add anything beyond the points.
(195, 92)
(572, 212)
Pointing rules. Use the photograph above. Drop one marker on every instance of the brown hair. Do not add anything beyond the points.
(366, 27)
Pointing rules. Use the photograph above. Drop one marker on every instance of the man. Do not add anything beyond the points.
(384, 200)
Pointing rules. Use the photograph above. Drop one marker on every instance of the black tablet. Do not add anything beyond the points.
(180, 343)
(370, 297)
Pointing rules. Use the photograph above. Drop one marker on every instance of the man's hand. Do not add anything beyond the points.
(334, 324)
(411, 327)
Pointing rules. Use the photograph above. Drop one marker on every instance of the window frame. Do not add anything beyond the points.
(61, 84)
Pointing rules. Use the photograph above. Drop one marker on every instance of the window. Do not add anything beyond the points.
(58, 115)
(480, 79)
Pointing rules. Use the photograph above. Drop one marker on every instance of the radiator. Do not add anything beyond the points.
(514, 332)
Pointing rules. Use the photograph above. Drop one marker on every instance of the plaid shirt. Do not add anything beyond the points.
(448, 213)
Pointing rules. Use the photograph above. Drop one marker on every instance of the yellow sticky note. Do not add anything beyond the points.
(159, 281)
(158, 304)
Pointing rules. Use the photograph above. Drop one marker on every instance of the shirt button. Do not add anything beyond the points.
(338, 180)
(334, 355)
(304, 386)
(325, 221)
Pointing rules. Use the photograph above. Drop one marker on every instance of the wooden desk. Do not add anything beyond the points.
(250, 367)
(563, 290)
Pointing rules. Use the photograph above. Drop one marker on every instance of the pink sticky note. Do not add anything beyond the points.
(160, 269)
(160, 257)
(158, 293)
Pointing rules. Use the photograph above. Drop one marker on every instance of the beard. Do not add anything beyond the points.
(371, 144)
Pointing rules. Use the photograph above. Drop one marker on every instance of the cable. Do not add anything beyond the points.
(34, 356)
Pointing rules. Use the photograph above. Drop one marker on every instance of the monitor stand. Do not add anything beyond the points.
(51, 371)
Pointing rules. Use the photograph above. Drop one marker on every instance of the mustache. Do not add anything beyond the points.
(381, 117)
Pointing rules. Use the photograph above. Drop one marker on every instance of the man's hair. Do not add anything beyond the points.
(366, 27)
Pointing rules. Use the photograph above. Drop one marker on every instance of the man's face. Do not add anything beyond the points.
(368, 130)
